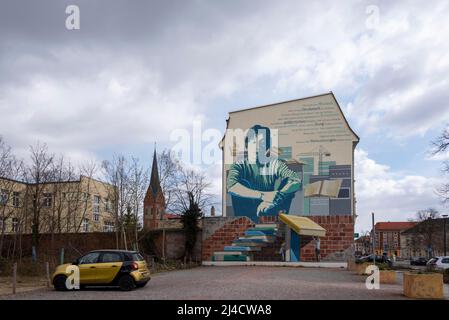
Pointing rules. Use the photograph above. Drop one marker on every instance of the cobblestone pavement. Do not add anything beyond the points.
(239, 283)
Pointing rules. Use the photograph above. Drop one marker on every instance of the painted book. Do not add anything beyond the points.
(324, 188)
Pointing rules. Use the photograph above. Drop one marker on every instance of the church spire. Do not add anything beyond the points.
(155, 184)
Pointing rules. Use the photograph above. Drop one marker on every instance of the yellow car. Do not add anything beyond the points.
(125, 269)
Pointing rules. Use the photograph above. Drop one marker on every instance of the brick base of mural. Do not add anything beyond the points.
(334, 246)
(339, 238)
(224, 236)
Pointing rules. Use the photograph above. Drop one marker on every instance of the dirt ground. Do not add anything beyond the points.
(218, 283)
(24, 284)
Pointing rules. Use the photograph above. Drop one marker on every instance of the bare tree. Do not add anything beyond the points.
(429, 213)
(169, 176)
(37, 173)
(441, 145)
(117, 174)
(138, 181)
(10, 199)
(426, 232)
(192, 186)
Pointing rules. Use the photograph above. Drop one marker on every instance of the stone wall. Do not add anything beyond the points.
(174, 244)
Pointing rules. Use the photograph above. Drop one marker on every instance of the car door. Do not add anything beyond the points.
(444, 263)
(109, 265)
(88, 268)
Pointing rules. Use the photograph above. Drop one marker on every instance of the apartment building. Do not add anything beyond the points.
(388, 236)
(84, 205)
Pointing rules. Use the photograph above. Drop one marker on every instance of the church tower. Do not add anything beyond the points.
(154, 201)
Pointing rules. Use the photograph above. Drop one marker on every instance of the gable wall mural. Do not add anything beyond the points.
(294, 157)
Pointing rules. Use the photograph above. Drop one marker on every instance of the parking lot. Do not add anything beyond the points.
(239, 283)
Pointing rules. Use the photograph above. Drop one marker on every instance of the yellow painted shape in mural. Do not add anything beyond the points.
(302, 225)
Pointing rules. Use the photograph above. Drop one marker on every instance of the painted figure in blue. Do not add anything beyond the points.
(261, 184)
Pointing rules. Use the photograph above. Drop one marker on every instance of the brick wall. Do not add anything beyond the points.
(220, 232)
(74, 244)
(334, 246)
(338, 240)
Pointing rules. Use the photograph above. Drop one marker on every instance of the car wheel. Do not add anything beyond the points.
(59, 283)
(126, 283)
(141, 285)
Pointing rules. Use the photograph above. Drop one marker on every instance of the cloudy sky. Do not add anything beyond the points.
(136, 71)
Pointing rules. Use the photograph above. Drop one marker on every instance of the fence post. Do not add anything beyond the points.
(14, 277)
(47, 269)
(153, 267)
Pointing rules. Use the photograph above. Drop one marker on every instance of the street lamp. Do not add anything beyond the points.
(444, 234)
(374, 238)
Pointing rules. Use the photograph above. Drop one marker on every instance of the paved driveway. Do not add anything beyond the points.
(239, 283)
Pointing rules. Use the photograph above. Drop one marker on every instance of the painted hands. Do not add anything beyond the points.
(263, 207)
(269, 200)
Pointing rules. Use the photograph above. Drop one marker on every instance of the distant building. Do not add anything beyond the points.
(362, 245)
(388, 237)
(425, 239)
(84, 205)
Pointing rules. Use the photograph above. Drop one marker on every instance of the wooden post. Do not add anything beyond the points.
(163, 244)
(14, 277)
(47, 267)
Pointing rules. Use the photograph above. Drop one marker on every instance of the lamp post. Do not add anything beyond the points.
(444, 234)
(374, 239)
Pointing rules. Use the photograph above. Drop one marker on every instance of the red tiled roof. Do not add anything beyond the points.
(396, 225)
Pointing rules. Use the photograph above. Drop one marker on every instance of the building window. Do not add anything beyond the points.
(48, 197)
(96, 205)
(85, 225)
(4, 197)
(2, 224)
(96, 217)
(108, 226)
(108, 205)
(16, 199)
(15, 225)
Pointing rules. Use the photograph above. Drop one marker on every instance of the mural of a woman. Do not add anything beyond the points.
(261, 184)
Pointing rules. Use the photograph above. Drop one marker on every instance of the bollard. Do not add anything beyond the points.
(62, 256)
(14, 278)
